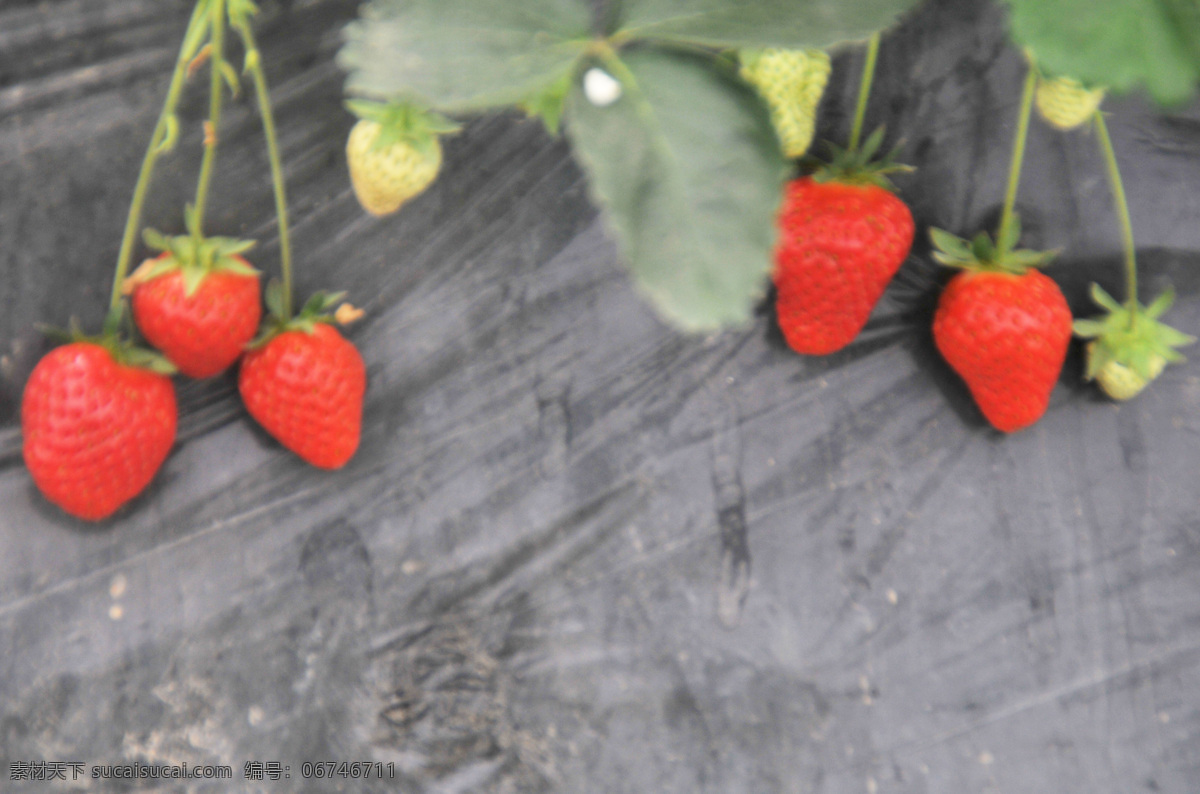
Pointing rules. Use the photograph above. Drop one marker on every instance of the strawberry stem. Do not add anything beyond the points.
(1018, 156)
(217, 13)
(254, 66)
(160, 141)
(864, 91)
(1118, 189)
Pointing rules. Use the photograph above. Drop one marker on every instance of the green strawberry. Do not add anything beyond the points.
(1065, 103)
(393, 153)
(791, 83)
(1130, 348)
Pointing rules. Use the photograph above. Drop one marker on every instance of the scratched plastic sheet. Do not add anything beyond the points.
(578, 551)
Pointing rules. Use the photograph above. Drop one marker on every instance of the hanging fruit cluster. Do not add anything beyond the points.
(98, 414)
(1001, 324)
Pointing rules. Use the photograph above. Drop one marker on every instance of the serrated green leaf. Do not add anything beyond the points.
(461, 55)
(1116, 43)
(759, 23)
(687, 166)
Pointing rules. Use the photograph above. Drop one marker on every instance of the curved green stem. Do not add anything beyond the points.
(864, 90)
(196, 29)
(217, 12)
(1018, 155)
(254, 65)
(1118, 189)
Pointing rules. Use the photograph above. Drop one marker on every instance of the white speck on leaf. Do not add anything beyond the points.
(600, 87)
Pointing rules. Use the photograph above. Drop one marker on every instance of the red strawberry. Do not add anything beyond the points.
(305, 386)
(839, 246)
(96, 430)
(842, 236)
(205, 332)
(200, 305)
(1002, 327)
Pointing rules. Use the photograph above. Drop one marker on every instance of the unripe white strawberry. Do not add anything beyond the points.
(1065, 103)
(393, 153)
(1129, 347)
(1123, 382)
(791, 82)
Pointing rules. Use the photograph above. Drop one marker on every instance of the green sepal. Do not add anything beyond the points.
(981, 253)
(193, 277)
(117, 338)
(403, 122)
(112, 320)
(1104, 300)
(147, 359)
(859, 166)
(56, 334)
(197, 256)
(274, 298)
(317, 309)
(1131, 335)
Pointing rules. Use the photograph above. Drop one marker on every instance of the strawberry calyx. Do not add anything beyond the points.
(983, 254)
(320, 308)
(857, 165)
(117, 338)
(194, 255)
(403, 122)
(1130, 336)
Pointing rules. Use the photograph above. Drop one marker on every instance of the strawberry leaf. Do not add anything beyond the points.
(461, 55)
(758, 23)
(1121, 44)
(548, 103)
(687, 166)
